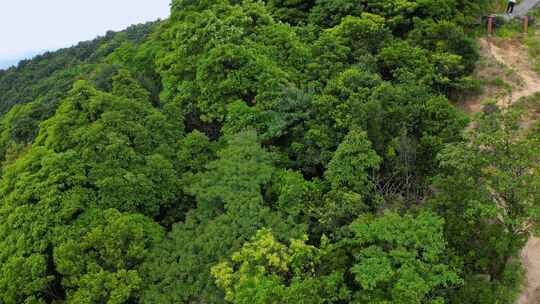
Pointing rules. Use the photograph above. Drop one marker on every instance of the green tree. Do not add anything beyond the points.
(19, 127)
(99, 257)
(99, 151)
(228, 53)
(267, 271)
(400, 259)
(393, 258)
(350, 174)
(250, 135)
(230, 209)
(488, 194)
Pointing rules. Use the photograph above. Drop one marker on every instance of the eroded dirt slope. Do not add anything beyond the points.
(506, 72)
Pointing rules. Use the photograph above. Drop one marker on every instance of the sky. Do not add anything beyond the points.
(30, 27)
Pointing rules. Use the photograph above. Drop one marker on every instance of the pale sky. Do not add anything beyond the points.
(32, 26)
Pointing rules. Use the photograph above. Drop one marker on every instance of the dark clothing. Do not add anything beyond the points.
(510, 8)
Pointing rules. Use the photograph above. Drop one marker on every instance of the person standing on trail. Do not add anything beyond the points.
(510, 8)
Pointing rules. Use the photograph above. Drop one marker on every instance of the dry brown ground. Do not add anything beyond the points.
(516, 57)
(506, 72)
(531, 261)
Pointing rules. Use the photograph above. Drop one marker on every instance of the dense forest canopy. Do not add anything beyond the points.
(264, 152)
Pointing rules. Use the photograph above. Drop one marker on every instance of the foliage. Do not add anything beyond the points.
(99, 258)
(263, 268)
(230, 209)
(489, 197)
(99, 151)
(49, 76)
(267, 152)
(405, 254)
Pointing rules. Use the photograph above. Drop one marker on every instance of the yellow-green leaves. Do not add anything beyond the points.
(265, 270)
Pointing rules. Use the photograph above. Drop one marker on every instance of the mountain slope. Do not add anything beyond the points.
(251, 152)
(56, 71)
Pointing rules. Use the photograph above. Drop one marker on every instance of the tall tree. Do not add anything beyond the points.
(488, 195)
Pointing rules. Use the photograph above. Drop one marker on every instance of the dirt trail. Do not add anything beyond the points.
(516, 58)
(531, 261)
(508, 60)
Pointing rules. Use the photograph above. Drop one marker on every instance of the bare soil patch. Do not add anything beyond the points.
(531, 261)
(506, 72)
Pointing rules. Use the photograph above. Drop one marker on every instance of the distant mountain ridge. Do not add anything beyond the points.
(24, 80)
(7, 63)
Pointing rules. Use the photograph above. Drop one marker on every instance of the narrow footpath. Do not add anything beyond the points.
(515, 58)
(531, 262)
(507, 70)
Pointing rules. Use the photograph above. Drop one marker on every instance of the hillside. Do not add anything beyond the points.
(56, 71)
(266, 152)
(508, 71)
